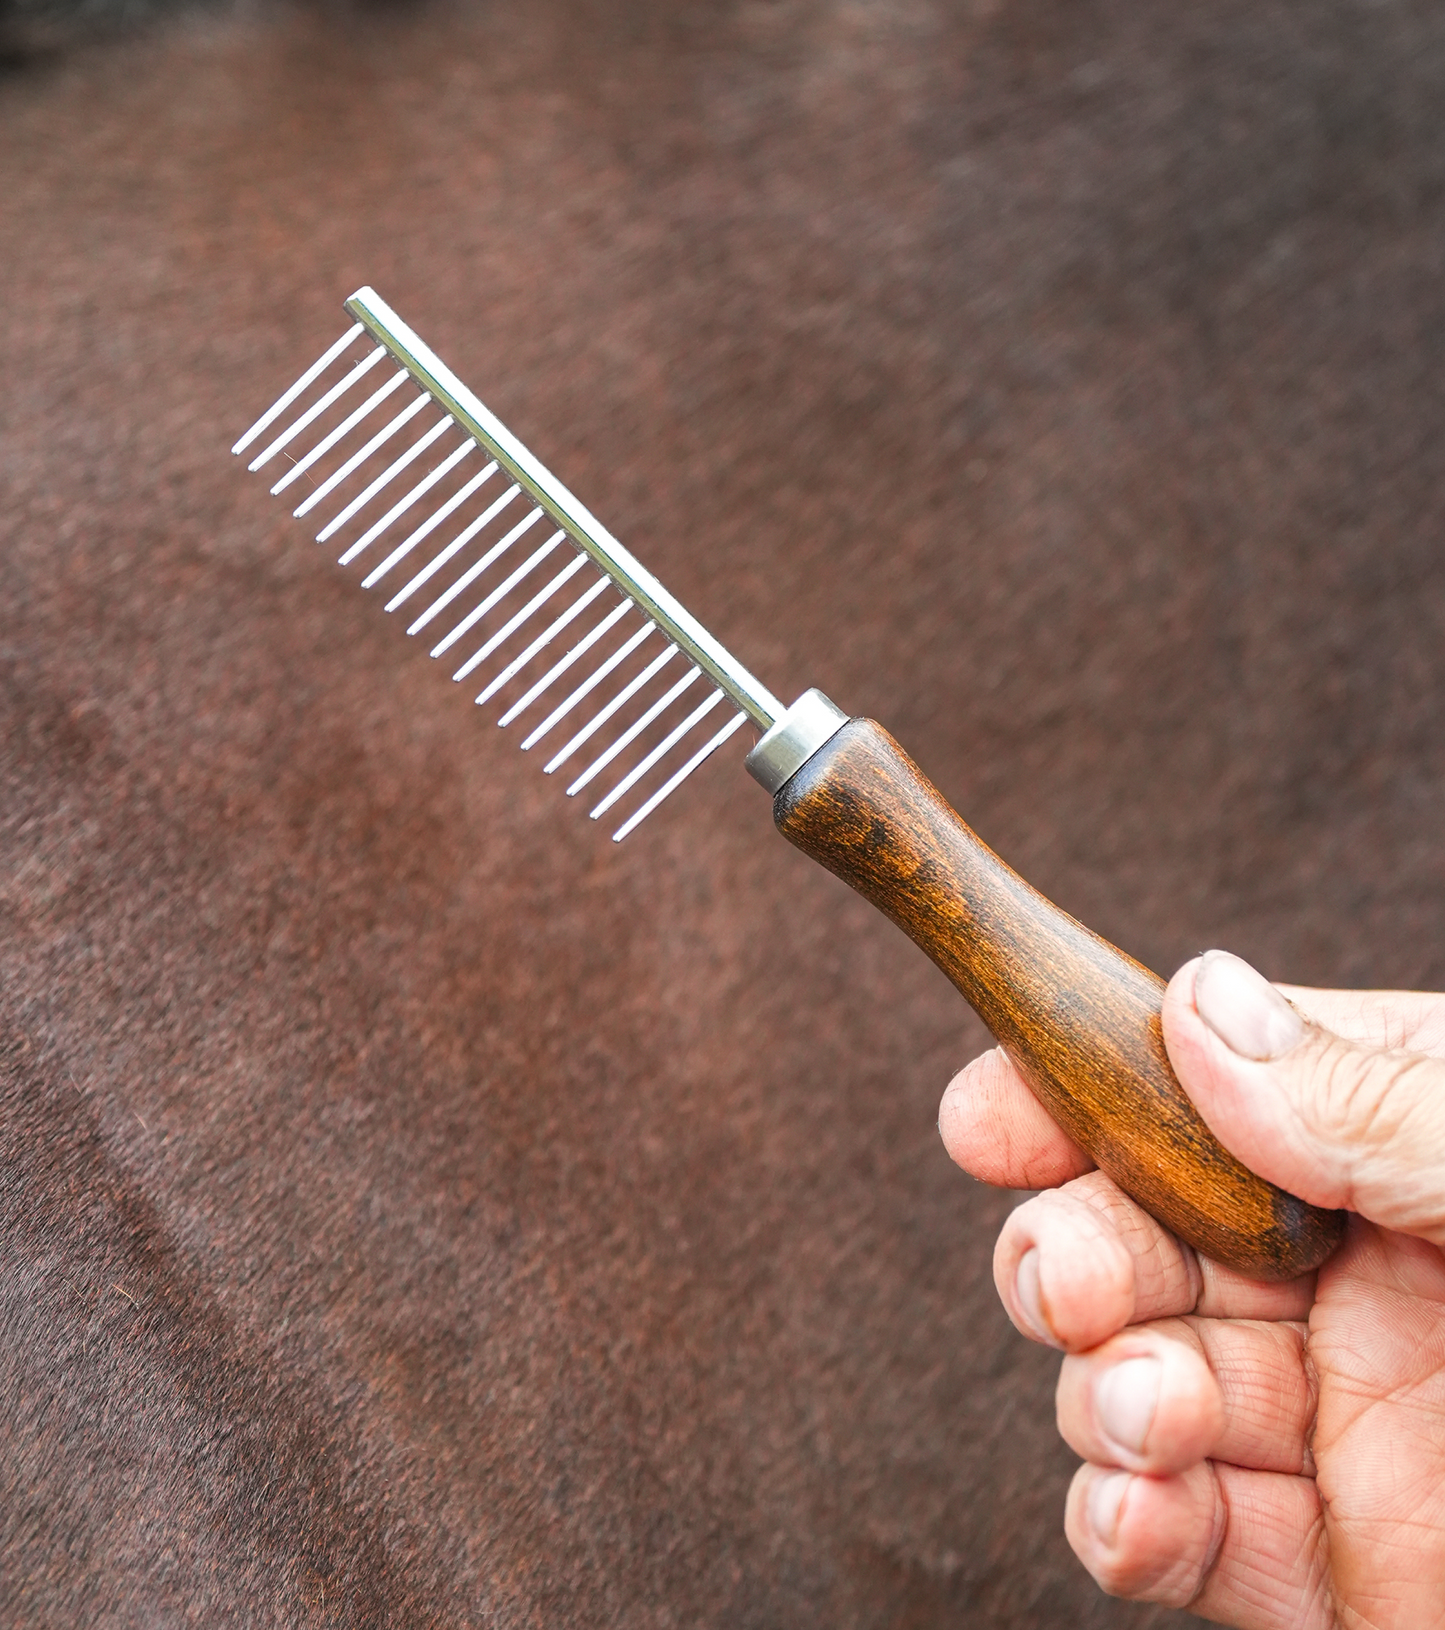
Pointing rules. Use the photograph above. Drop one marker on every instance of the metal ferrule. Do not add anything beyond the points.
(793, 740)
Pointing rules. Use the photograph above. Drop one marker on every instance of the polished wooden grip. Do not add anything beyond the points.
(1078, 1017)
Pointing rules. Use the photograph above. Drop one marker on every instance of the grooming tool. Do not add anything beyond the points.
(503, 568)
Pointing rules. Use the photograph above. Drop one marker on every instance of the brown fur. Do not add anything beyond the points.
(416, 1210)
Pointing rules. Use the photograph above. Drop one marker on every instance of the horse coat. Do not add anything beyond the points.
(417, 1211)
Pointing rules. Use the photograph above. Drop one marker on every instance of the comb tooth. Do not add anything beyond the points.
(462, 539)
(400, 507)
(364, 497)
(325, 445)
(432, 522)
(575, 654)
(514, 622)
(543, 640)
(705, 752)
(633, 731)
(278, 407)
(589, 685)
(474, 571)
(475, 615)
(593, 725)
(380, 439)
(671, 739)
(318, 407)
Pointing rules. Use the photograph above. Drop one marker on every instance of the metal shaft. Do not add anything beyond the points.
(433, 375)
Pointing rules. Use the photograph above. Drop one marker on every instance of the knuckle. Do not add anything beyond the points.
(1363, 1098)
(1166, 1540)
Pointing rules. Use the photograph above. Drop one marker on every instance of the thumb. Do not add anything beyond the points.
(1337, 1123)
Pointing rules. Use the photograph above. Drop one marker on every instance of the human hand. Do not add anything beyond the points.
(1265, 1455)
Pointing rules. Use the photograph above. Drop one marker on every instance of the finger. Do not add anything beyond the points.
(1229, 1294)
(1246, 1548)
(1161, 1397)
(994, 1127)
(1078, 1264)
(1411, 1020)
(1335, 1122)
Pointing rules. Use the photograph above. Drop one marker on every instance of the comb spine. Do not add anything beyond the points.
(586, 531)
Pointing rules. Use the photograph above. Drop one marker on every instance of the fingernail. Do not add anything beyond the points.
(1030, 1298)
(1125, 1399)
(1243, 1009)
(1105, 1499)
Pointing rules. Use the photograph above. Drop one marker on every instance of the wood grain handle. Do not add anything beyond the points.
(1078, 1017)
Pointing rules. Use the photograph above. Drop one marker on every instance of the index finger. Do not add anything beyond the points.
(993, 1126)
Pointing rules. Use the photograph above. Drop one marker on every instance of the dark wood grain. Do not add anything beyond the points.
(1078, 1017)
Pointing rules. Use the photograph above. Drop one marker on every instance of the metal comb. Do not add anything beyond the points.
(489, 553)
(407, 467)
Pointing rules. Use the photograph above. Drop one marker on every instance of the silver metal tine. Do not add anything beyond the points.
(588, 685)
(447, 542)
(318, 407)
(475, 615)
(644, 764)
(430, 524)
(278, 407)
(575, 654)
(514, 622)
(703, 753)
(363, 498)
(633, 731)
(461, 540)
(400, 507)
(543, 640)
(591, 728)
(325, 445)
(567, 510)
(474, 571)
(380, 439)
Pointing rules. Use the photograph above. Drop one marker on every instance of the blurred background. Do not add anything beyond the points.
(417, 1210)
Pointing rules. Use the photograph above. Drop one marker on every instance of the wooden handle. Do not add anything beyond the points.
(1078, 1017)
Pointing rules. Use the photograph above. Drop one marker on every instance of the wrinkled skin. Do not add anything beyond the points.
(1270, 1455)
(417, 1211)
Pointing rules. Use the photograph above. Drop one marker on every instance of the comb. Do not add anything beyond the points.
(519, 586)
(489, 554)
